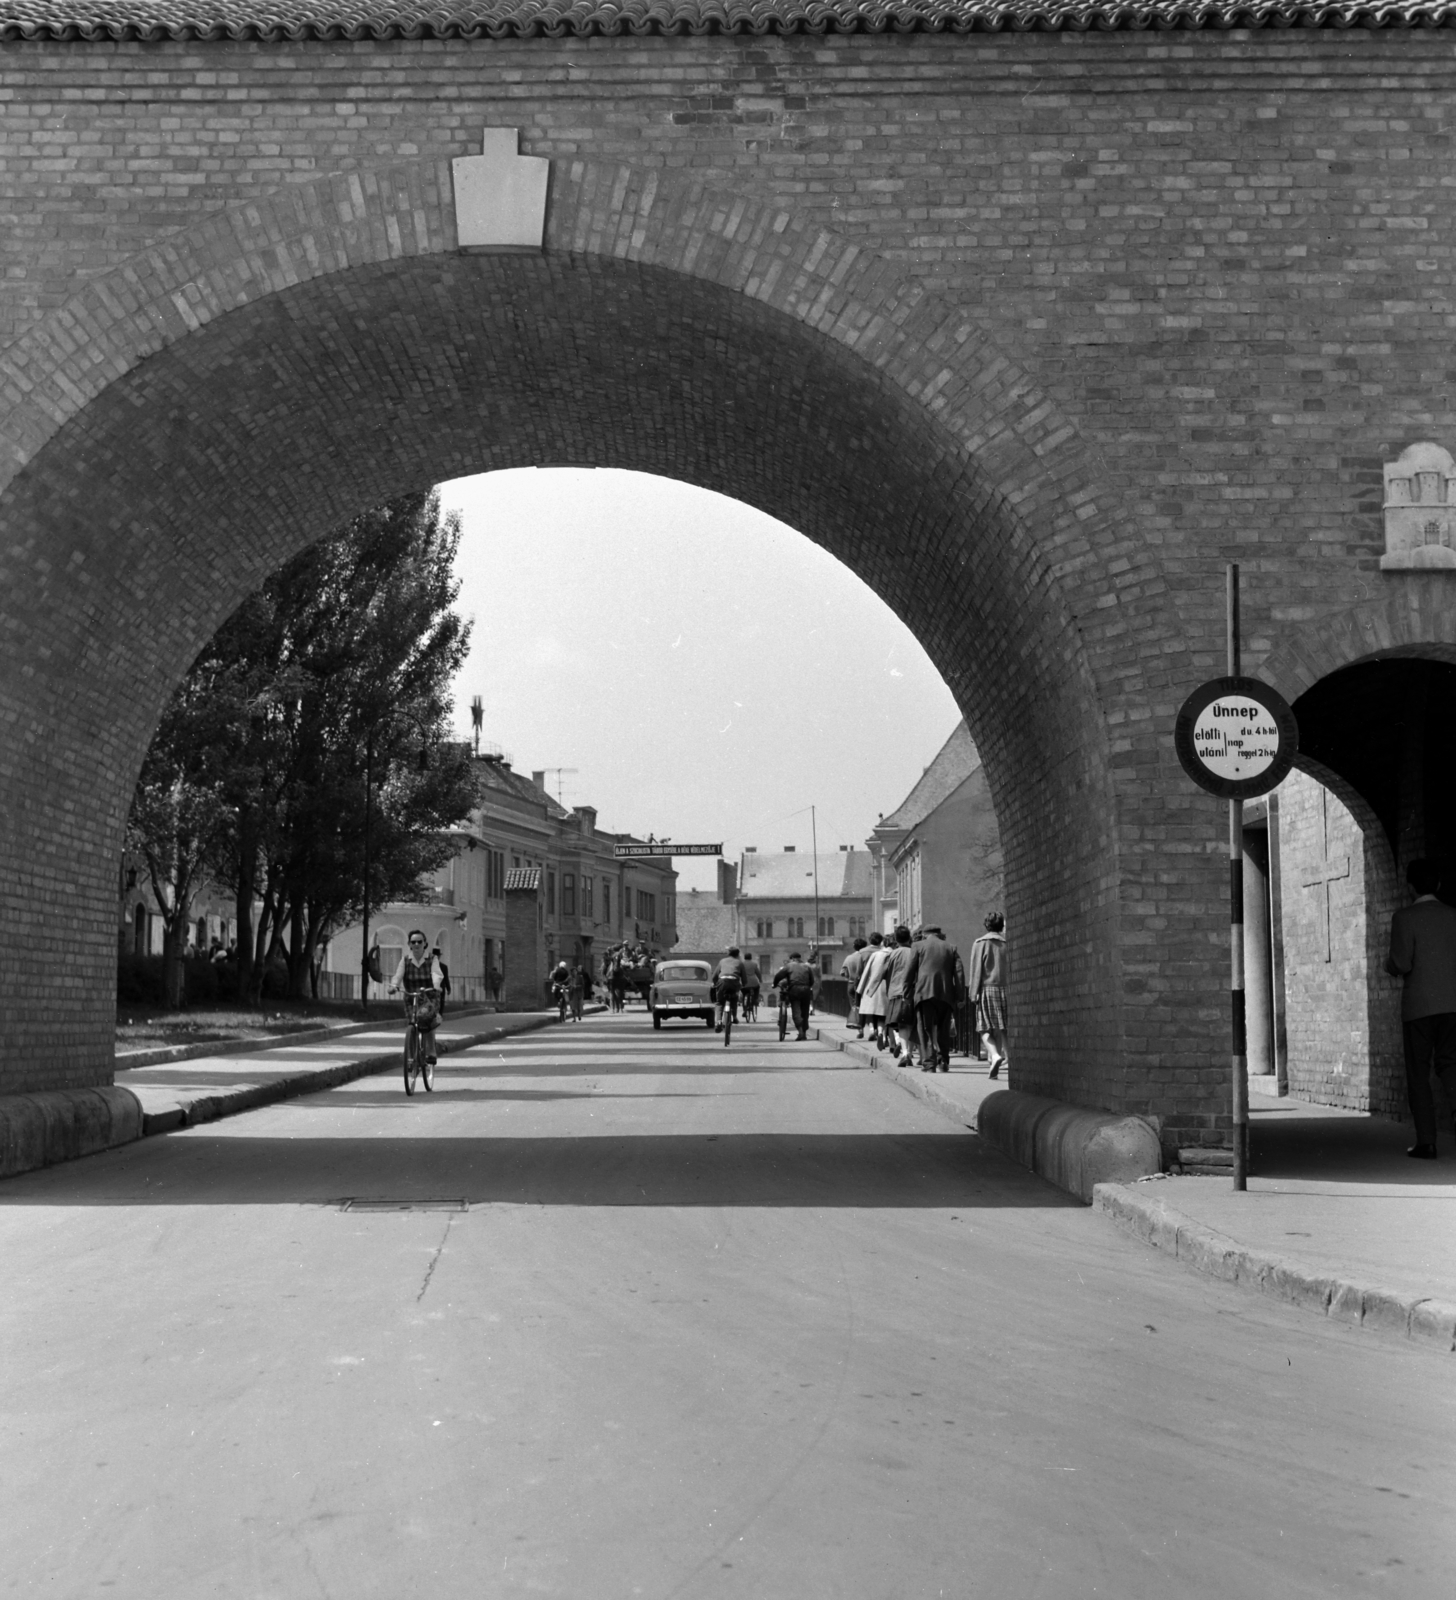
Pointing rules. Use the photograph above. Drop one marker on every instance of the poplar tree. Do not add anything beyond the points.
(337, 670)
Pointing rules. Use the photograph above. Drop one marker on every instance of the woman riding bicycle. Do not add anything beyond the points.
(419, 970)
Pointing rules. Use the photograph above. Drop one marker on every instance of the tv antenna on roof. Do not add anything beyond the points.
(477, 717)
(559, 771)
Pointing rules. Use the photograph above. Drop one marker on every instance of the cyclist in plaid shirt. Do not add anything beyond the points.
(419, 968)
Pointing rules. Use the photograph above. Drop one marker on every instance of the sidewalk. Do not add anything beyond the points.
(1336, 1216)
(178, 1093)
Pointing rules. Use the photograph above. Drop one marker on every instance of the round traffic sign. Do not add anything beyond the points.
(1236, 737)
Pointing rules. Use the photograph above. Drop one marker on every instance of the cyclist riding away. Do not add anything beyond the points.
(419, 969)
(752, 985)
(728, 984)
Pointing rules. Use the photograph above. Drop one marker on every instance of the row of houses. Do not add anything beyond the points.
(935, 859)
(586, 899)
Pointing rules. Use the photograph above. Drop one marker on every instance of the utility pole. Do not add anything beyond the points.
(1239, 1051)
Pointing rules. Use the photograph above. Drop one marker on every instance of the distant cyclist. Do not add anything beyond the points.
(419, 969)
(728, 983)
(752, 986)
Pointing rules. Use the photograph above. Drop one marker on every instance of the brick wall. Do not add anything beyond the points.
(1343, 1011)
(1033, 331)
(525, 951)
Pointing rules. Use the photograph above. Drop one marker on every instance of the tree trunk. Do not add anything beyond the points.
(174, 945)
(247, 888)
(264, 939)
(298, 952)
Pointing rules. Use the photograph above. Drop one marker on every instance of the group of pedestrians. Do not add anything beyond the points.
(905, 989)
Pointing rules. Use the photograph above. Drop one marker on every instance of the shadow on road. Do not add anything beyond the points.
(950, 1169)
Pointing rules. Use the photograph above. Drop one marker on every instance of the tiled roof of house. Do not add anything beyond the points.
(523, 878)
(495, 774)
(845, 875)
(957, 760)
(279, 20)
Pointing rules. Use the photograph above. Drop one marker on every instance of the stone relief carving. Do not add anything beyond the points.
(500, 196)
(1420, 509)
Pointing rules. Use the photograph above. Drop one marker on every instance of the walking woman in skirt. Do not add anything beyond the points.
(986, 979)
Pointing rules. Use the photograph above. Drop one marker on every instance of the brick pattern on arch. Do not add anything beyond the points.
(193, 474)
(986, 442)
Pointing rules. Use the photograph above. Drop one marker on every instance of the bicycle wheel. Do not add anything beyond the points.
(727, 1024)
(427, 1069)
(783, 1022)
(411, 1058)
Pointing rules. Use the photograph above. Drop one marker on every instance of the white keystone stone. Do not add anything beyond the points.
(500, 196)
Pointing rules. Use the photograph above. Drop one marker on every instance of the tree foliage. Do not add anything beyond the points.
(336, 672)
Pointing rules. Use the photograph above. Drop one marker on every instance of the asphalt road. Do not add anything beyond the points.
(672, 1321)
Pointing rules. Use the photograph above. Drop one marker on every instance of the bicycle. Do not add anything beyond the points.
(558, 993)
(783, 1013)
(417, 1042)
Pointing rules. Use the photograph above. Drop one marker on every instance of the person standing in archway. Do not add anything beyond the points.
(987, 982)
(1423, 953)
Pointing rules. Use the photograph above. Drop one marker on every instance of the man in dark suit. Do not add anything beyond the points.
(1423, 953)
(936, 979)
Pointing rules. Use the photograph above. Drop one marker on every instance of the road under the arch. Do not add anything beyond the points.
(742, 1322)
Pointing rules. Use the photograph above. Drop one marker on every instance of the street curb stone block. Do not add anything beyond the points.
(41, 1129)
(1073, 1148)
(1434, 1322)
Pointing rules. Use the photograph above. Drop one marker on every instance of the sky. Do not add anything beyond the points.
(708, 672)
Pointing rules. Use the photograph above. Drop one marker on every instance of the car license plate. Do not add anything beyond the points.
(685, 999)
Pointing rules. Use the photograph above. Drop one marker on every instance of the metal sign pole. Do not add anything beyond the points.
(1240, 1064)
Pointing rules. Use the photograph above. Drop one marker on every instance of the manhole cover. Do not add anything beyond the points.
(372, 1204)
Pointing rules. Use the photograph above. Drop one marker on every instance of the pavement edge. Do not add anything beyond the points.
(47, 1127)
(1150, 1218)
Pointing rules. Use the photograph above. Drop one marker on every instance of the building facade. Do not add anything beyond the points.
(588, 899)
(816, 905)
(937, 857)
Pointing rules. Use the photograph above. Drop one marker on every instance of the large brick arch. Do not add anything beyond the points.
(1414, 616)
(192, 418)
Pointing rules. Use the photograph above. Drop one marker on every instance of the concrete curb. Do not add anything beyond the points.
(273, 1041)
(51, 1126)
(1155, 1222)
(1071, 1147)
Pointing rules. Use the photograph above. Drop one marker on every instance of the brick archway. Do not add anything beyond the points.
(1416, 616)
(193, 418)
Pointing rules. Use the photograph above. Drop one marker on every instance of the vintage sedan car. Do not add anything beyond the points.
(681, 989)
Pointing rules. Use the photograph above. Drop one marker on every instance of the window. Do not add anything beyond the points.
(568, 894)
(515, 861)
(798, 927)
(551, 893)
(495, 873)
(826, 965)
(646, 906)
(586, 900)
(606, 900)
(763, 929)
(826, 927)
